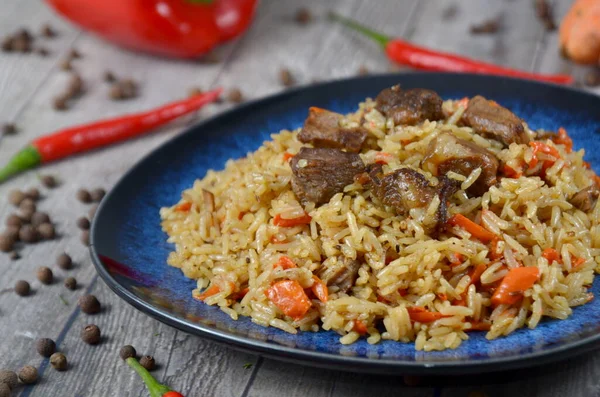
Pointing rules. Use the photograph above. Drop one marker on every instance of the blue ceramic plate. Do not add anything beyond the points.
(130, 251)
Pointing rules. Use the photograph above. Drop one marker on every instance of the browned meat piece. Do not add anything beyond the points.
(491, 120)
(402, 189)
(342, 276)
(319, 173)
(322, 129)
(409, 107)
(446, 189)
(586, 198)
(449, 153)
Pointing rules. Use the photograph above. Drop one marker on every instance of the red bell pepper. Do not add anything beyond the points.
(177, 28)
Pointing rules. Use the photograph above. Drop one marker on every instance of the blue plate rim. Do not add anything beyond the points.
(327, 360)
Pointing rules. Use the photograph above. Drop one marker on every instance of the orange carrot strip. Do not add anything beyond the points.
(183, 207)
(577, 262)
(514, 284)
(210, 291)
(510, 172)
(543, 148)
(551, 255)
(562, 138)
(287, 156)
(285, 263)
(456, 259)
(476, 230)
(479, 326)
(422, 315)
(290, 298)
(319, 288)
(383, 157)
(476, 273)
(359, 327)
(301, 220)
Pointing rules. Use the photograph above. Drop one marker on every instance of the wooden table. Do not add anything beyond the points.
(320, 51)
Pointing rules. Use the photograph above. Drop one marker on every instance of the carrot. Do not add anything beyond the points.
(285, 263)
(479, 326)
(443, 297)
(241, 215)
(301, 220)
(476, 230)
(514, 284)
(383, 158)
(563, 139)
(456, 259)
(319, 288)
(290, 298)
(464, 102)
(287, 156)
(577, 262)
(240, 294)
(421, 315)
(510, 172)
(359, 327)
(403, 291)
(551, 255)
(476, 273)
(183, 207)
(210, 291)
(580, 32)
(540, 147)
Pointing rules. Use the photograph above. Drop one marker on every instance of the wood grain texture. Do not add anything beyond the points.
(320, 51)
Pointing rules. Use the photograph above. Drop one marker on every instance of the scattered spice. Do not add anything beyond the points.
(148, 362)
(97, 194)
(14, 220)
(46, 231)
(194, 91)
(15, 197)
(21, 41)
(7, 243)
(22, 288)
(75, 86)
(109, 77)
(9, 129)
(235, 96)
(9, 378)
(545, 14)
(59, 361)
(27, 205)
(89, 304)
(83, 223)
(489, 26)
(363, 71)
(28, 374)
(123, 89)
(85, 238)
(45, 347)
(39, 217)
(66, 65)
(47, 31)
(91, 334)
(64, 261)
(71, 283)
(33, 194)
(127, 351)
(74, 54)
(60, 103)
(84, 196)
(44, 274)
(4, 390)
(28, 234)
(286, 78)
(49, 181)
(303, 16)
(42, 51)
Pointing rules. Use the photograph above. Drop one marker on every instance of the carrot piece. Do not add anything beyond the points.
(456, 259)
(587, 165)
(577, 262)
(443, 297)
(510, 172)
(290, 298)
(464, 102)
(514, 284)
(422, 315)
(285, 263)
(563, 139)
(597, 180)
(383, 157)
(403, 291)
(359, 327)
(240, 294)
(319, 288)
(476, 230)
(287, 156)
(183, 207)
(551, 255)
(479, 326)
(540, 147)
(301, 220)
(476, 273)
(210, 291)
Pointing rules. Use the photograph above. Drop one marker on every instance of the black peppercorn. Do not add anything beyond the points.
(28, 374)
(148, 362)
(45, 347)
(44, 274)
(91, 334)
(22, 288)
(89, 304)
(127, 351)
(58, 362)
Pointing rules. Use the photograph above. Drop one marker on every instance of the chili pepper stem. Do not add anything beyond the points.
(156, 389)
(24, 160)
(382, 39)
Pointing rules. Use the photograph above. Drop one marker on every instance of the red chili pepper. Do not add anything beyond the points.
(405, 53)
(156, 389)
(101, 133)
(178, 28)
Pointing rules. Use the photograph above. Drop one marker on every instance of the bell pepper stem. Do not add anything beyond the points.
(382, 39)
(24, 160)
(156, 389)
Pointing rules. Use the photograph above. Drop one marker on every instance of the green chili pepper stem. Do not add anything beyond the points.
(156, 389)
(22, 161)
(382, 39)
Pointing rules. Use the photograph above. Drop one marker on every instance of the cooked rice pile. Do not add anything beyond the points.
(232, 247)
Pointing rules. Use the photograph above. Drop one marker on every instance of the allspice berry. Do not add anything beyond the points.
(58, 361)
(71, 283)
(22, 288)
(15, 197)
(85, 238)
(39, 217)
(4, 390)
(64, 261)
(28, 374)
(6, 243)
(33, 194)
(44, 274)
(91, 334)
(28, 234)
(83, 223)
(46, 231)
(14, 220)
(127, 351)
(97, 194)
(9, 378)
(148, 362)
(27, 205)
(84, 196)
(89, 304)
(49, 181)
(92, 212)
(45, 347)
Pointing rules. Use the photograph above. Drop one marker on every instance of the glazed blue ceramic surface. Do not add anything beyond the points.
(130, 250)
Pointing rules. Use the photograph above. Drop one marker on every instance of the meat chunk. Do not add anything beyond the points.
(343, 275)
(491, 120)
(586, 198)
(449, 153)
(403, 189)
(322, 129)
(319, 173)
(409, 107)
